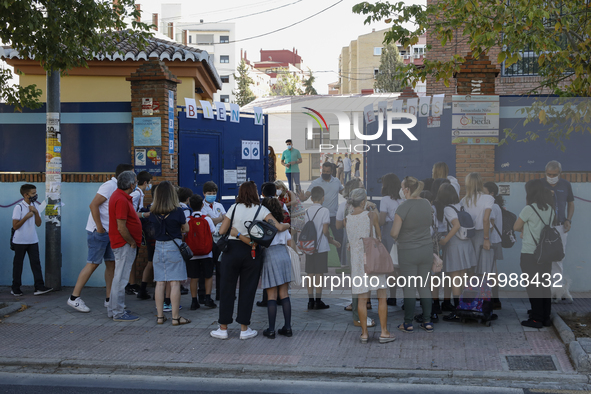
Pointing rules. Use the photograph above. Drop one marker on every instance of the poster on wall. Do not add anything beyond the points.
(147, 132)
(475, 119)
(148, 159)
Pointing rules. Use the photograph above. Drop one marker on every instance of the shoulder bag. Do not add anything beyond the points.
(260, 231)
(183, 247)
(377, 258)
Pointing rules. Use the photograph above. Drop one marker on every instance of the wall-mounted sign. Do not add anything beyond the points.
(148, 159)
(147, 131)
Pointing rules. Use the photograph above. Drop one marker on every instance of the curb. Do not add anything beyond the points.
(581, 359)
(308, 373)
(11, 307)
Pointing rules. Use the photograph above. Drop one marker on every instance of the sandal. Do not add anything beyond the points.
(349, 308)
(363, 340)
(161, 319)
(390, 338)
(179, 321)
(406, 328)
(427, 327)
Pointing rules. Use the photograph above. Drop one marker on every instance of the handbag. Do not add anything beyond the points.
(260, 231)
(296, 274)
(437, 264)
(377, 258)
(223, 243)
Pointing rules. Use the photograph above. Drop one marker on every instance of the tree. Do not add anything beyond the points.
(244, 94)
(308, 85)
(287, 84)
(558, 33)
(63, 34)
(390, 65)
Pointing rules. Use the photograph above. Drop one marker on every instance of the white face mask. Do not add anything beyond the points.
(278, 193)
(552, 181)
(401, 194)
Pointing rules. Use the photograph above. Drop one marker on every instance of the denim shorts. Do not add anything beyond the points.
(99, 247)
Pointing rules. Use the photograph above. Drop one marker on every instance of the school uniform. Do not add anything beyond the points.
(202, 266)
(317, 263)
(458, 253)
(25, 241)
(485, 258)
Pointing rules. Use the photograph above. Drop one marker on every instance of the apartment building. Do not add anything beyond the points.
(273, 62)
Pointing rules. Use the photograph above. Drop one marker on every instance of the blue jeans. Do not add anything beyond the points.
(295, 178)
(347, 176)
(124, 257)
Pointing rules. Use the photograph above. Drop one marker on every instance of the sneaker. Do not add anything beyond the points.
(249, 333)
(194, 305)
(16, 293)
(320, 305)
(79, 305)
(220, 334)
(42, 290)
(532, 323)
(129, 290)
(167, 307)
(310, 304)
(143, 295)
(210, 304)
(184, 290)
(126, 317)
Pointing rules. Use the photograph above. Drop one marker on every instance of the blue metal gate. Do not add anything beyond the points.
(223, 142)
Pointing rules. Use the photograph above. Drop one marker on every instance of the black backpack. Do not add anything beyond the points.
(550, 247)
(308, 239)
(508, 234)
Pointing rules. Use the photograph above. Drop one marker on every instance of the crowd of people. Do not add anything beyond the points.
(417, 221)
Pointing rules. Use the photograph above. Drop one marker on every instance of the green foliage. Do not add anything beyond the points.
(308, 85)
(286, 84)
(244, 94)
(390, 66)
(63, 34)
(559, 32)
(18, 96)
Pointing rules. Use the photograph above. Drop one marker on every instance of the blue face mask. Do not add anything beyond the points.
(289, 147)
(210, 198)
(149, 186)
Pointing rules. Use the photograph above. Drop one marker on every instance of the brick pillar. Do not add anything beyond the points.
(407, 93)
(476, 76)
(154, 80)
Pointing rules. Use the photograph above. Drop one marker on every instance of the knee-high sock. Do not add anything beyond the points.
(272, 312)
(286, 304)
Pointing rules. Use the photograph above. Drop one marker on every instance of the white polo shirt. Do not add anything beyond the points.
(27, 233)
(214, 210)
(137, 198)
(105, 190)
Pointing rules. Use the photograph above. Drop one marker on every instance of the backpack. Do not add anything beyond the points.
(550, 247)
(199, 237)
(308, 240)
(466, 230)
(508, 235)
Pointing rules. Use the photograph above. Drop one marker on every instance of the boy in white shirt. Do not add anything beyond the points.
(217, 213)
(24, 219)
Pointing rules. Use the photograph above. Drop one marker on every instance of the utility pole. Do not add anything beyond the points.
(53, 184)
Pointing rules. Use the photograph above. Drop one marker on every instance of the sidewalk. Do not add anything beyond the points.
(323, 340)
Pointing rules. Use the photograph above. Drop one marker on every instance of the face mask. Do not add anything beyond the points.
(33, 199)
(278, 193)
(401, 194)
(269, 151)
(149, 186)
(326, 177)
(552, 181)
(210, 199)
(289, 147)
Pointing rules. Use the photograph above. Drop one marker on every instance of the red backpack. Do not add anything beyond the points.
(199, 237)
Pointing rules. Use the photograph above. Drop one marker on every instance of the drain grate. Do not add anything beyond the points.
(531, 363)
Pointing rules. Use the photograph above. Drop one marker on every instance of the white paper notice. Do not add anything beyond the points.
(424, 106)
(246, 151)
(191, 108)
(437, 105)
(396, 107)
(411, 106)
(258, 115)
(234, 113)
(382, 108)
(207, 110)
(41, 207)
(221, 110)
(230, 176)
(368, 114)
(255, 150)
(204, 164)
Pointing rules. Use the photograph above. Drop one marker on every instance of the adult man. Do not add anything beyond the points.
(99, 246)
(563, 198)
(290, 158)
(332, 187)
(347, 168)
(125, 235)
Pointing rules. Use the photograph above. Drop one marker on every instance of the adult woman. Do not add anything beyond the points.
(340, 167)
(458, 255)
(357, 165)
(243, 259)
(388, 205)
(169, 222)
(530, 223)
(294, 205)
(272, 169)
(361, 224)
(276, 273)
(411, 230)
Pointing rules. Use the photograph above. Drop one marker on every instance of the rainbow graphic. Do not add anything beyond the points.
(315, 118)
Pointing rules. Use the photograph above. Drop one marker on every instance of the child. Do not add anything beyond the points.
(217, 213)
(496, 218)
(24, 219)
(201, 266)
(317, 263)
(184, 194)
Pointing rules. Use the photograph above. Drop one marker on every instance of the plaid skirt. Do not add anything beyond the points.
(276, 266)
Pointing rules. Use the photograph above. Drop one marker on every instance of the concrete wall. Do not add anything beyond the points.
(76, 198)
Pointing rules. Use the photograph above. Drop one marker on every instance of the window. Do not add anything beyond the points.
(224, 98)
(224, 39)
(190, 39)
(204, 39)
(377, 51)
(225, 78)
(224, 59)
(317, 139)
(376, 71)
(526, 66)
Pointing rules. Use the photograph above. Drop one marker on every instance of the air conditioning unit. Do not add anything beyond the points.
(418, 55)
(406, 56)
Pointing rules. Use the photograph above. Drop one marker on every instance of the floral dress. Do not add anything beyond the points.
(296, 211)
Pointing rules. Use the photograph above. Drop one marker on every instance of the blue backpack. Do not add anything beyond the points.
(466, 230)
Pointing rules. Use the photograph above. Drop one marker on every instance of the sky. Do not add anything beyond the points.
(319, 40)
